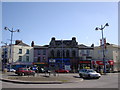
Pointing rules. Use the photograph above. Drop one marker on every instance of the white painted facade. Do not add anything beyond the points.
(24, 54)
(112, 52)
(16, 55)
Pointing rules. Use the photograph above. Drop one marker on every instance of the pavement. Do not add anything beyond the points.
(41, 78)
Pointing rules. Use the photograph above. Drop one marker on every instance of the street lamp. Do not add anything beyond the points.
(62, 53)
(102, 28)
(12, 31)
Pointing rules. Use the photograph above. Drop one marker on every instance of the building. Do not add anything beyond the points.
(63, 54)
(85, 56)
(22, 54)
(112, 57)
(40, 55)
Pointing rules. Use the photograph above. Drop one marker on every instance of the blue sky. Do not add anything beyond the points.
(40, 21)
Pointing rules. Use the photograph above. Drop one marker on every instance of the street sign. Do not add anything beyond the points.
(52, 60)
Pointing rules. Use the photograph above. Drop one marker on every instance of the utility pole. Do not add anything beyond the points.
(11, 39)
(103, 45)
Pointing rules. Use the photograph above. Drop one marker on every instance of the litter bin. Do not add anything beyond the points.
(5, 70)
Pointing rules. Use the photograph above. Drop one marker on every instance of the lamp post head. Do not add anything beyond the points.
(106, 24)
(6, 28)
(96, 28)
(18, 30)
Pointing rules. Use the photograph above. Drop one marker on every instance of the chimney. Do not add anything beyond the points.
(74, 38)
(32, 44)
(18, 42)
(53, 38)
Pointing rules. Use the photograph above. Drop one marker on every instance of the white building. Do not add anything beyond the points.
(22, 54)
(112, 53)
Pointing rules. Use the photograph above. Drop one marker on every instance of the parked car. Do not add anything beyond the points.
(12, 70)
(89, 73)
(24, 71)
(41, 70)
(62, 71)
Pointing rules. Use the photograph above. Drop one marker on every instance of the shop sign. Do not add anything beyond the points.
(111, 62)
(67, 67)
(99, 62)
(85, 61)
(52, 60)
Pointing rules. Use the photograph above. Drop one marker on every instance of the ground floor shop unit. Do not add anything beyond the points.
(98, 65)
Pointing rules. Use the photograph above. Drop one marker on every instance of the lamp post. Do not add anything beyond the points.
(62, 53)
(103, 47)
(12, 31)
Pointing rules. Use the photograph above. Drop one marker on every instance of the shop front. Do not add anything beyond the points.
(98, 65)
(40, 64)
(17, 65)
(60, 63)
(84, 64)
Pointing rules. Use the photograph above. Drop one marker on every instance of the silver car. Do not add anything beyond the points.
(89, 73)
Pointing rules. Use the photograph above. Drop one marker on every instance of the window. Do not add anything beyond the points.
(52, 53)
(67, 53)
(44, 52)
(20, 58)
(27, 51)
(38, 52)
(20, 51)
(82, 51)
(58, 53)
(27, 58)
(73, 53)
(63, 53)
(38, 60)
(43, 58)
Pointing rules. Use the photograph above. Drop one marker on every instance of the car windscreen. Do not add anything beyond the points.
(91, 71)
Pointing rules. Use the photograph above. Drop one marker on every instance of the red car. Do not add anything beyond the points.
(24, 71)
(62, 71)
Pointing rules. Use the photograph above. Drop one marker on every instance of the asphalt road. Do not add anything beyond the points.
(106, 81)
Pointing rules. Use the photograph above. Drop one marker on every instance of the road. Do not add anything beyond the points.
(106, 81)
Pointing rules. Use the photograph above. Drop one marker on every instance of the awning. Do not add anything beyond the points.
(22, 63)
(85, 62)
(111, 62)
(99, 62)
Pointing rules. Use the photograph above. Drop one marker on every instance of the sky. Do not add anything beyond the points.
(40, 21)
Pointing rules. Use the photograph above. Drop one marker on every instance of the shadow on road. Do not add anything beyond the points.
(13, 75)
(76, 76)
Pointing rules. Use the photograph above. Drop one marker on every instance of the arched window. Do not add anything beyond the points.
(52, 53)
(63, 53)
(73, 53)
(67, 53)
(58, 53)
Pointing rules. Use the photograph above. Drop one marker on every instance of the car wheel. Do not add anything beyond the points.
(22, 74)
(97, 77)
(81, 75)
(89, 76)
